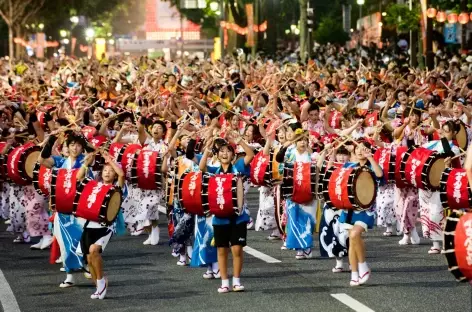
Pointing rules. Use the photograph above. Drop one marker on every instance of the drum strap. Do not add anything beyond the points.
(447, 147)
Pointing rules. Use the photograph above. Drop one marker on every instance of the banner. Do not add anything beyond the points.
(450, 33)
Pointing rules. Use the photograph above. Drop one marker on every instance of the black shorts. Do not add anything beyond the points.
(230, 234)
(90, 236)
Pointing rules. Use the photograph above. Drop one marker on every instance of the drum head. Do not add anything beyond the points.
(461, 137)
(435, 172)
(365, 189)
(113, 206)
(30, 162)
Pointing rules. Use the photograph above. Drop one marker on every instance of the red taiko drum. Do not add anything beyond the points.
(126, 157)
(114, 150)
(454, 189)
(42, 179)
(397, 160)
(98, 142)
(350, 188)
(20, 163)
(97, 202)
(190, 193)
(146, 170)
(223, 194)
(300, 182)
(383, 156)
(422, 168)
(457, 246)
(261, 171)
(63, 188)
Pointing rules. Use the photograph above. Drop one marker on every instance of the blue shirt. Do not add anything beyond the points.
(237, 168)
(64, 163)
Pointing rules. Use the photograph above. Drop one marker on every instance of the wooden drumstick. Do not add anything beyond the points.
(460, 155)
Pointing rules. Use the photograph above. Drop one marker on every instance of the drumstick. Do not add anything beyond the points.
(460, 155)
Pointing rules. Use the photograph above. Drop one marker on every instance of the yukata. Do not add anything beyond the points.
(141, 207)
(301, 218)
(431, 210)
(68, 229)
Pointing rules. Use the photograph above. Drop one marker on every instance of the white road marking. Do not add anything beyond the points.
(260, 255)
(7, 297)
(352, 303)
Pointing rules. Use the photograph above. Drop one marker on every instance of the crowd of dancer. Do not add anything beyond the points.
(223, 117)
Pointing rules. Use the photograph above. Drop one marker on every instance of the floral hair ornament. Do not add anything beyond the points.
(299, 131)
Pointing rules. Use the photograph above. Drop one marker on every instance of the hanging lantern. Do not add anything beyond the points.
(470, 17)
(441, 17)
(431, 12)
(452, 18)
(463, 18)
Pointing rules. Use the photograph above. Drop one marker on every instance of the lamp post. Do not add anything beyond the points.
(360, 3)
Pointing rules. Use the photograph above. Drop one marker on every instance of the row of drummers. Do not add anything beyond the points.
(342, 188)
(355, 188)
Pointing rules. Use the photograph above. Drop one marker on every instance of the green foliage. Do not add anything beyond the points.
(400, 16)
(330, 29)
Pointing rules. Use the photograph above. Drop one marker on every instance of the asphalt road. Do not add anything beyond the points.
(146, 278)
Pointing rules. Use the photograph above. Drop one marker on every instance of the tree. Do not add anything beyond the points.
(330, 30)
(16, 13)
(400, 16)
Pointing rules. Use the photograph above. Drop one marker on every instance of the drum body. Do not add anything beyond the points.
(190, 193)
(146, 172)
(462, 137)
(300, 182)
(279, 209)
(261, 171)
(97, 202)
(88, 132)
(350, 188)
(63, 189)
(126, 157)
(383, 156)
(399, 178)
(457, 234)
(42, 179)
(223, 194)
(20, 163)
(454, 189)
(114, 150)
(422, 168)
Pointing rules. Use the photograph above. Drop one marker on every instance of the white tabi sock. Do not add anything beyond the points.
(101, 284)
(214, 267)
(354, 276)
(339, 263)
(183, 258)
(437, 245)
(363, 268)
(225, 283)
(236, 281)
(389, 229)
(69, 278)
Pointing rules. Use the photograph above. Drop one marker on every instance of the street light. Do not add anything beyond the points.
(66, 41)
(111, 41)
(293, 27)
(74, 19)
(41, 26)
(214, 6)
(360, 3)
(89, 32)
(63, 33)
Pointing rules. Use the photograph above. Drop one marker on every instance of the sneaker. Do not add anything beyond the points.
(38, 245)
(354, 283)
(238, 288)
(208, 275)
(250, 224)
(364, 278)
(47, 241)
(223, 290)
